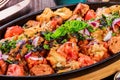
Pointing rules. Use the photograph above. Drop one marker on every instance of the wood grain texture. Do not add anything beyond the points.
(101, 73)
(35, 5)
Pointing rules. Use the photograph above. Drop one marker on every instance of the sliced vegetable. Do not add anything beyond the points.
(87, 32)
(108, 36)
(67, 28)
(36, 58)
(12, 31)
(95, 24)
(5, 57)
(47, 47)
(35, 41)
(21, 42)
(90, 15)
(85, 60)
(114, 23)
(0, 54)
(28, 54)
(69, 51)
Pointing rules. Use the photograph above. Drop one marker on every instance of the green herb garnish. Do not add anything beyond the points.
(67, 28)
(63, 41)
(113, 34)
(107, 20)
(29, 47)
(90, 29)
(45, 46)
(9, 61)
(6, 46)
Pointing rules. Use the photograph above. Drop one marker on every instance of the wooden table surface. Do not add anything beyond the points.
(36, 5)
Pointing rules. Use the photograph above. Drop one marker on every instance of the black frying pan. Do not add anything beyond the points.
(65, 75)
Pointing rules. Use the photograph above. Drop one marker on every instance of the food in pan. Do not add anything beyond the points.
(61, 40)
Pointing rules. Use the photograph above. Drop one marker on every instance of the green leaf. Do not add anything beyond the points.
(9, 61)
(6, 46)
(90, 29)
(59, 32)
(67, 28)
(63, 41)
(48, 36)
(29, 47)
(45, 46)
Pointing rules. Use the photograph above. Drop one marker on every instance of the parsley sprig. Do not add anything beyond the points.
(6, 46)
(68, 27)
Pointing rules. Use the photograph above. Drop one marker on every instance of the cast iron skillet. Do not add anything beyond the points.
(65, 75)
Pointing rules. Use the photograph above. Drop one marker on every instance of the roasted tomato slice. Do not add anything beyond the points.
(12, 31)
(15, 70)
(85, 60)
(69, 50)
(90, 15)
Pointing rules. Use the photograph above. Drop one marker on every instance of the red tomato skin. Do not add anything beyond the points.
(85, 60)
(69, 51)
(14, 30)
(118, 23)
(90, 15)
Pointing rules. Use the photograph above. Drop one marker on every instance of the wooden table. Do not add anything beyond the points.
(37, 5)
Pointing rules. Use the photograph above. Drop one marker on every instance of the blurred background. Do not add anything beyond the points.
(36, 5)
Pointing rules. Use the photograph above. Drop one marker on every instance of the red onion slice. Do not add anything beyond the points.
(92, 43)
(28, 54)
(87, 32)
(108, 36)
(5, 57)
(115, 21)
(21, 42)
(0, 54)
(36, 58)
(35, 41)
(95, 24)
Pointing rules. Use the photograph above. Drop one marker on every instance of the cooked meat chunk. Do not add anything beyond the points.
(30, 32)
(98, 35)
(3, 67)
(33, 60)
(114, 44)
(31, 23)
(81, 9)
(15, 70)
(83, 46)
(41, 69)
(72, 65)
(98, 52)
(23, 50)
(64, 12)
(45, 16)
(114, 8)
(55, 58)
